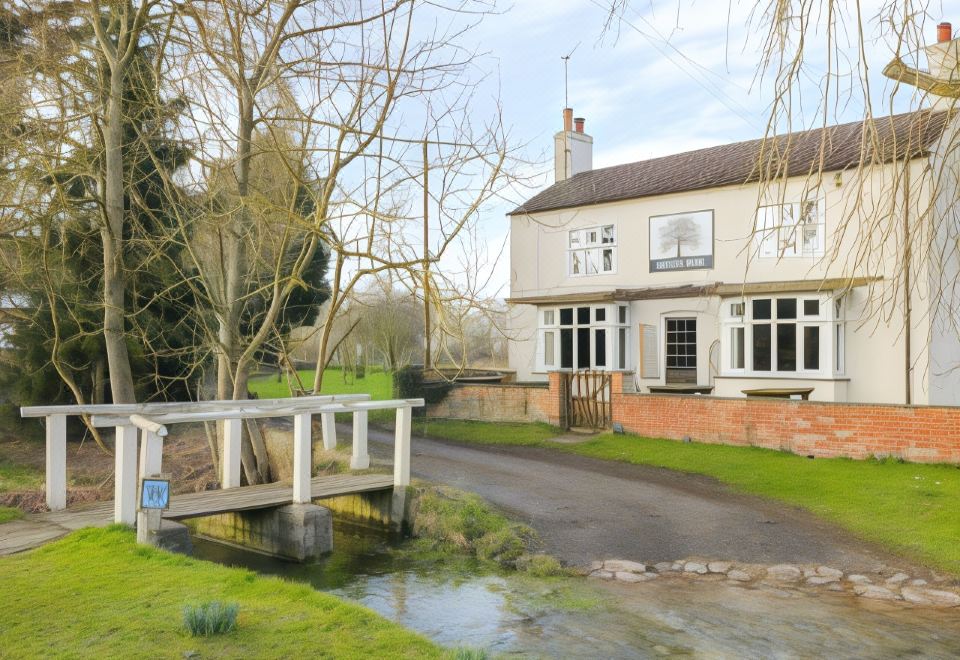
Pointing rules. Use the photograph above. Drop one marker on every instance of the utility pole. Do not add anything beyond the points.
(427, 350)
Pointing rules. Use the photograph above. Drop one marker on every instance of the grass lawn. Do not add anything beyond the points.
(907, 507)
(378, 384)
(96, 593)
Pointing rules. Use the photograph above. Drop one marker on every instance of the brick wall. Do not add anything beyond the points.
(923, 434)
(515, 402)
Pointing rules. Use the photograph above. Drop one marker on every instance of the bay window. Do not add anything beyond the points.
(583, 337)
(789, 335)
(592, 251)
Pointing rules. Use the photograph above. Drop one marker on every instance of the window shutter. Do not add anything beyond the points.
(649, 352)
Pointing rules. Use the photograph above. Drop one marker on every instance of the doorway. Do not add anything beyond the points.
(681, 351)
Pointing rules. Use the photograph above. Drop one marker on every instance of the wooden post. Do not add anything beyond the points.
(125, 476)
(328, 425)
(231, 453)
(360, 459)
(401, 448)
(302, 458)
(56, 481)
(151, 454)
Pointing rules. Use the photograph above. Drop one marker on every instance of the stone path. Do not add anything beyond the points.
(884, 585)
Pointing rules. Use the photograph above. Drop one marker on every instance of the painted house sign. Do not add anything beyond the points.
(681, 241)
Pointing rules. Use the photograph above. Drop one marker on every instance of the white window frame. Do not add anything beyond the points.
(829, 322)
(781, 230)
(586, 246)
(610, 324)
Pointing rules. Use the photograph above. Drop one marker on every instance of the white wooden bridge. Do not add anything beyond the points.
(141, 428)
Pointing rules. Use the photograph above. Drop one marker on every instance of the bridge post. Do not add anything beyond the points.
(401, 448)
(151, 453)
(56, 482)
(328, 424)
(360, 459)
(231, 453)
(125, 475)
(302, 459)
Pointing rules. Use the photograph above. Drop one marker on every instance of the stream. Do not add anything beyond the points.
(463, 603)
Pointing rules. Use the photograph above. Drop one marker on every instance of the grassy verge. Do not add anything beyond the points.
(97, 594)
(485, 432)
(907, 507)
(448, 520)
(8, 513)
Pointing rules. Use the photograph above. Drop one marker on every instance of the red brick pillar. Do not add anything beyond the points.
(555, 405)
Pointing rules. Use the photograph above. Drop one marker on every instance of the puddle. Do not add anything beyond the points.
(463, 603)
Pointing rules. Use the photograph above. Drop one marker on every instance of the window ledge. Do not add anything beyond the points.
(830, 379)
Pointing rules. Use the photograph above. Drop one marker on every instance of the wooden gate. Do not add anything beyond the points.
(587, 399)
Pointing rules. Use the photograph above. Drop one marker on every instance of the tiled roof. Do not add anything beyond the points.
(796, 154)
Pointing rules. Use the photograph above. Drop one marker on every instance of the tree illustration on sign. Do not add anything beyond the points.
(679, 232)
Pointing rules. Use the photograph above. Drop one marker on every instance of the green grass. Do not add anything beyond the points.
(378, 384)
(909, 508)
(96, 593)
(8, 513)
(451, 520)
(19, 477)
(485, 432)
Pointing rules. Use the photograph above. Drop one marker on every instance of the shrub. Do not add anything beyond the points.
(540, 565)
(213, 618)
(409, 383)
(503, 545)
(448, 519)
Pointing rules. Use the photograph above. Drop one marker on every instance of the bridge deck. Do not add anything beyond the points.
(37, 529)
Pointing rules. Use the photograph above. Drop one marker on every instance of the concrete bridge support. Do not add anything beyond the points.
(300, 532)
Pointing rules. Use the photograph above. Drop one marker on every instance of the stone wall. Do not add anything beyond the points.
(514, 402)
(923, 434)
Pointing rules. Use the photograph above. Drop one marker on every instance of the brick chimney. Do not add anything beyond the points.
(942, 60)
(573, 149)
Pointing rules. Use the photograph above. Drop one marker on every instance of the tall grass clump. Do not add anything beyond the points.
(208, 619)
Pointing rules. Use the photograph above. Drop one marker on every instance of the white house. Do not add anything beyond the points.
(690, 273)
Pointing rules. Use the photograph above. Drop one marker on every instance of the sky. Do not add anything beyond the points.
(679, 75)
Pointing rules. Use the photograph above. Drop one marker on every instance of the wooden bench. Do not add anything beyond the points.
(680, 389)
(781, 392)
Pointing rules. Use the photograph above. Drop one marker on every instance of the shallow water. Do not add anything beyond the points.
(461, 603)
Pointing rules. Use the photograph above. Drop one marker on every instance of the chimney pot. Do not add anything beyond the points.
(944, 32)
(578, 124)
(568, 119)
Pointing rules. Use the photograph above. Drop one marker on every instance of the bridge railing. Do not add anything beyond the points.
(149, 421)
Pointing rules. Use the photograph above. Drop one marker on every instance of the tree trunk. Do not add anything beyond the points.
(118, 360)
